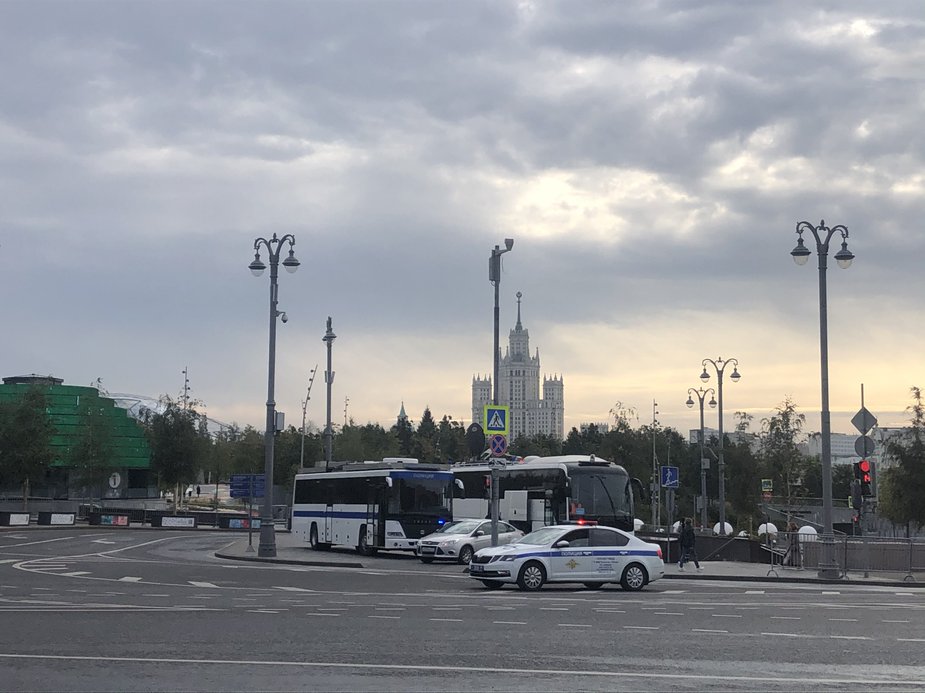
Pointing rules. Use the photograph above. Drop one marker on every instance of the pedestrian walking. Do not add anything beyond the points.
(688, 545)
(198, 490)
(793, 557)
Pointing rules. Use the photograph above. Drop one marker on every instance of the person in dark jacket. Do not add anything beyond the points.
(688, 545)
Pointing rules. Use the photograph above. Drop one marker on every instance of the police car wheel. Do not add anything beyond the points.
(594, 585)
(493, 584)
(532, 577)
(465, 555)
(634, 577)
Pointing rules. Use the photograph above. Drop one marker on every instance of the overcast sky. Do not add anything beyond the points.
(650, 159)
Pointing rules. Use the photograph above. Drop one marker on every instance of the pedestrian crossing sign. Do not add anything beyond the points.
(495, 418)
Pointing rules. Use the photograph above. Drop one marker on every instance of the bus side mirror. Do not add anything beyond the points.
(388, 481)
(460, 485)
(639, 491)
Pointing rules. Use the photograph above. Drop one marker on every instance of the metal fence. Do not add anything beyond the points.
(903, 558)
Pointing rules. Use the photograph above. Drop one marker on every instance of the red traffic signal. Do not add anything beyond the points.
(865, 468)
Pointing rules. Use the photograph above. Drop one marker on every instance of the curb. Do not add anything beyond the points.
(287, 561)
(798, 580)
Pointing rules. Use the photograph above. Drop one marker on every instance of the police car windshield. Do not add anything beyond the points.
(541, 537)
(459, 527)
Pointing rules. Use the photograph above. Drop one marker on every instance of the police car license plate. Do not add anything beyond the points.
(475, 568)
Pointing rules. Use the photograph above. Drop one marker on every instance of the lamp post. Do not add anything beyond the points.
(827, 566)
(701, 394)
(267, 547)
(308, 396)
(656, 490)
(494, 276)
(328, 339)
(719, 365)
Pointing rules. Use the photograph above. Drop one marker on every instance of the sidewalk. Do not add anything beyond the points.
(291, 550)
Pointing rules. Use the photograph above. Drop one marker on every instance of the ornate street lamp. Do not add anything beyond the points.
(267, 547)
(719, 365)
(823, 234)
(701, 394)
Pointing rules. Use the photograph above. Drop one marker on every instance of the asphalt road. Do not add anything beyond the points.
(141, 610)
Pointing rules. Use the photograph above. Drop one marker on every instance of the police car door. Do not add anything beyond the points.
(573, 562)
(611, 553)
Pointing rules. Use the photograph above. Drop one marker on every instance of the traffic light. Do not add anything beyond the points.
(865, 468)
(857, 471)
(857, 501)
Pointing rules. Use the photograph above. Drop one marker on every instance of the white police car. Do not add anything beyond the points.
(592, 555)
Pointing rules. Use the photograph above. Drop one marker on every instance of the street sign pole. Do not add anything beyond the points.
(250, 515)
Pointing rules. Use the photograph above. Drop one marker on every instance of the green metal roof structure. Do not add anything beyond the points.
(68, 406)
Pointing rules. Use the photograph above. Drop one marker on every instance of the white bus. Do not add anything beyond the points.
(372, 505)
(538, 491)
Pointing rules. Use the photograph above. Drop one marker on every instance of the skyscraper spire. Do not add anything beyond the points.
(518, 326)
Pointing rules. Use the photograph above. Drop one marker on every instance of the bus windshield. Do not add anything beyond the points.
(421, 495)
(601, 492)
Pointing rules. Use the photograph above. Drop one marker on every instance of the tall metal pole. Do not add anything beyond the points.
(494, 276)
(719, 365)
(267, 546)
(656, 493)
(328, 339)
(827, 565)
(701, 396)
(308, 396)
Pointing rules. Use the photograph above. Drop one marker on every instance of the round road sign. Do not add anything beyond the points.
(497, 444)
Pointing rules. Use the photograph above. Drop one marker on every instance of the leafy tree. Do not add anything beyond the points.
(404, 433)
(779, 452)
(25, 440)
(902, 486)
(424, 441)
(451, 440)
(178, 444)
(92, 455)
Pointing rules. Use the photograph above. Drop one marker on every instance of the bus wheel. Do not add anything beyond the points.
(493, 584)
(634, 578)
(313, 540)
(465, 554)
(532, 576)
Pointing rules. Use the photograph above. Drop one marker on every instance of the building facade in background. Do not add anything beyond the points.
(536, 407)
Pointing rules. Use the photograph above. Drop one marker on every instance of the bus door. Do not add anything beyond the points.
(328, 522)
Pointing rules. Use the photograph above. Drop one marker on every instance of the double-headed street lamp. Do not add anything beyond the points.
(719, 365)
(494, 276)
(701, 394)
(801, 253)
(267, 546)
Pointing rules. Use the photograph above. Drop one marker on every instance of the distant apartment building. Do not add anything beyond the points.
(533, 410)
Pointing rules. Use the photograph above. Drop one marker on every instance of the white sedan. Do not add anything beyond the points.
(459, 540)
(591, 555)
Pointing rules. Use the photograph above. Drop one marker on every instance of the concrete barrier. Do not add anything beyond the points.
(9, 518)
(174, 521)
(50, 518)
(108, 519)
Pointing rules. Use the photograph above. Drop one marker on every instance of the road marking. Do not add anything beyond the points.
(500, 608)
(830, 593)
(849, 637)
(332, 608)
(674, 591)
(763, 679)
(890, 621)
(451, 620)
(726, 615)
(510, 623)
(553, 608)
(318, 613)
(293, 589)
(102, 541)
(130, 579)
(849, 620)
(790, 635)
(264, 611)
(787, 618)
(707, 630)
(390, 608)
(447, 608)
(667, 613)
(754, 591)
(904, 594)
(610, 611)
(641, 627)
(9, 560)
(76, 573)
(373, 616)
(574, 625)
(911, 639)
(196, 583)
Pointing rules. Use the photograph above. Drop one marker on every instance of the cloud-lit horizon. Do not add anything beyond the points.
(650, 159)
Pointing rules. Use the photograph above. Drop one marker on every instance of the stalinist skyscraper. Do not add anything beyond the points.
(519, 388)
